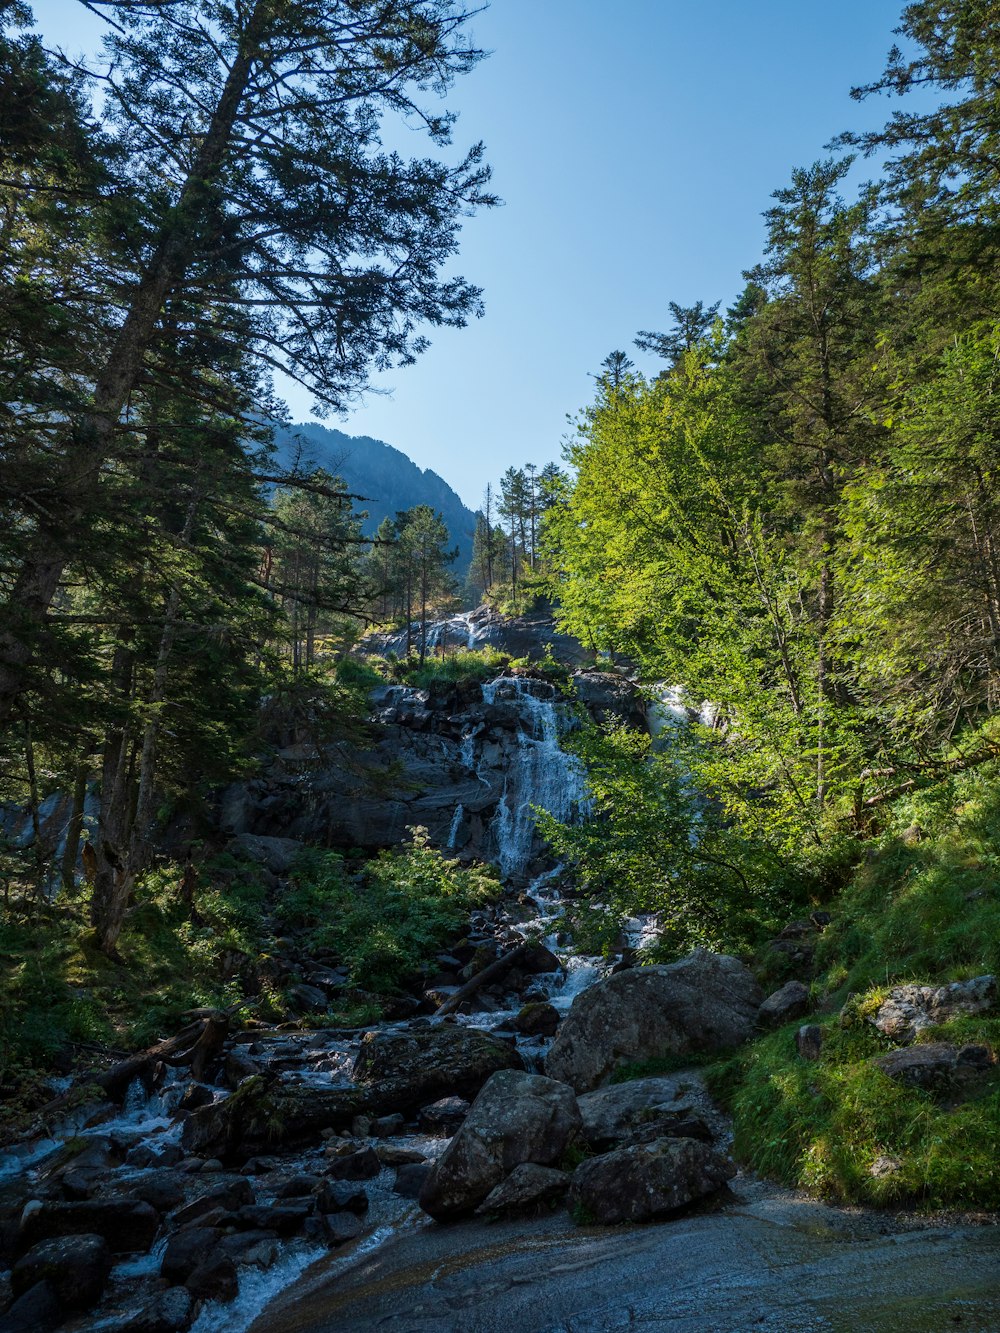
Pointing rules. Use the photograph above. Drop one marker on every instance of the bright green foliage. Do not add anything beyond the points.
(653, 845)
(387, 923)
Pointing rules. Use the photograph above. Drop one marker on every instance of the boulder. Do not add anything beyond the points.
(128, 1225)
(705, 1002)
(910, 1009)
(791, 1001)
(676, 1105)
(341, 1196)
(516, 1118)
(170, 1311)
(935, 1065)
(443, 1117)
(226, 1198)
(75, 1267)
(421, 1064)
(528, 1189)
(361, 1165)
(646, 1181)
(37, 1311)
(186, 1250)
(214, 1280)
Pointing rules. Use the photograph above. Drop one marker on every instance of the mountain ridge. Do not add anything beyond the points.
(388, 478)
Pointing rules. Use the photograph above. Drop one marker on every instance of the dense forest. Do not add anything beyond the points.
(786, 538)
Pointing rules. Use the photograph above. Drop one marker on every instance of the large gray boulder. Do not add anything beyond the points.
(516, 1118)
(76, 1267)
(419, 1065)
(705, 1002)
(910, 1009)
(676, 1105)
(647, 1180)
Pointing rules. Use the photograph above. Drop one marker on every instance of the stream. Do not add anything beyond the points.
(762, 1259)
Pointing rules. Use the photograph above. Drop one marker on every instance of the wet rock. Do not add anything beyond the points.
(162, 1190)
(935, 1065)
(537, 1020)
(341, 1196)
(410, 1179)
(186, 1250)
(361, 1165)
(226, 1198)
(910, 1009)
(391, 1155)
(37, 1311)
(646, 1181)
(421, 1064)
(285, 1219)
(791, 1001)
(386, 1126)
(196, 1095)
(76, 1269)
(77, 1185)
(214, 1280)
(170, 1311)
(443, 1117)
(154, 1154)
(258, 1248)
(672, 1105)
(809, 1041)
(538, 960)
(335, 1229)
(128, 1225)
(299, 1187)
(705, 1002)
(516, 1118)
(528, 1189)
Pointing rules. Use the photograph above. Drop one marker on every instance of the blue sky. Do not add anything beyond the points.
(635, 146)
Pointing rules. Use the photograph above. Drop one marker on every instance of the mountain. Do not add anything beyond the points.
(388, 479)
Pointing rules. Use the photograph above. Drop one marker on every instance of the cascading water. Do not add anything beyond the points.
(543, 776)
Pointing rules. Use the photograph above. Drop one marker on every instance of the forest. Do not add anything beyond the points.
(789, 532)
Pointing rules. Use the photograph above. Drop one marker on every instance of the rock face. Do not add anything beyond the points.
(910, 1009)
(516, 1118)
(646, 1181)
(705, 1002)
(674, 1106)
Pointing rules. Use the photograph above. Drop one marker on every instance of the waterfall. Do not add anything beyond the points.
(541, 774)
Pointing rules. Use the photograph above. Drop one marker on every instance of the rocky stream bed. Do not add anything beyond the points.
(469, 1167)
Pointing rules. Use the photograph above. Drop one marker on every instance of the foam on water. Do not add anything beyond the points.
(258, 1287)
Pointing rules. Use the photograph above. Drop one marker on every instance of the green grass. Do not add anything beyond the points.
(924, 910)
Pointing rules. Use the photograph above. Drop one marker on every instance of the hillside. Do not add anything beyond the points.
(388, 479)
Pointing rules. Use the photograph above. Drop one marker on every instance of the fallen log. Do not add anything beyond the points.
(175, 1050)
(496, 969)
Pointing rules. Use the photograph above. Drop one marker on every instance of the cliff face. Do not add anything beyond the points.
(468, 762)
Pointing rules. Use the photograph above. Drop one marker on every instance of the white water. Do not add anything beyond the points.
(544, 777)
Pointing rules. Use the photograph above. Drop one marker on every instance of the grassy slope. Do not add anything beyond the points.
(924, 908)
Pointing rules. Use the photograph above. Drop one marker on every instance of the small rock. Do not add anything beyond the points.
(809, 1041)
(341, 1196)
(257, 1248)
(791, 1001)
(386, 1126)
(363, 1165)
(528, 1189)
(170, 1311)
(225, 1198)
(185, 1251)
(537, 1020)
(214, 1280)
(335, 1229)
(410, 1179)
(885, 1166)
(389, 1155)
(443, 1117)
(284, 1218)
(195, 1095)
(299, 1187)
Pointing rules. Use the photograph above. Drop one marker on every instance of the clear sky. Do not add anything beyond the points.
(635, 146)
